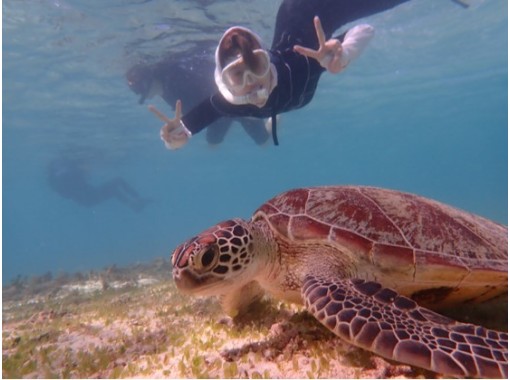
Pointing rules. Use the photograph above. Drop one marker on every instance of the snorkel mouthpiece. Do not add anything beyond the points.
(256, 97)
(263, 93)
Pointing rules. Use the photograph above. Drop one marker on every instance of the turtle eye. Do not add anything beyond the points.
(207, 258)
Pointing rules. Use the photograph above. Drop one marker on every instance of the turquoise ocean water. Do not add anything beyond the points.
(423, 110)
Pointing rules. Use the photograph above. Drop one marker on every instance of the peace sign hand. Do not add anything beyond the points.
(329, 53)
(173, 133)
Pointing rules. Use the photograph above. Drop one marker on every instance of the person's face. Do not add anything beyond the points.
(253, 83)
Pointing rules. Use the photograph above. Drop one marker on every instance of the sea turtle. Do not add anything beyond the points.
(366, 262)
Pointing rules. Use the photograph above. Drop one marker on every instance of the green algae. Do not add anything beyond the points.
(154, 331)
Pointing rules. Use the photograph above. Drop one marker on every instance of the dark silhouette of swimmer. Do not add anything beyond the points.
(189, 76)
(69, 178)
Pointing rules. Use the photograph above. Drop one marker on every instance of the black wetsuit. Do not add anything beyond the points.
(297, 75)
(188, 76)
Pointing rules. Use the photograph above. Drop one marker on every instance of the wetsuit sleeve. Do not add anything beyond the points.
(201, 116)
(215, 107)
(294, 21)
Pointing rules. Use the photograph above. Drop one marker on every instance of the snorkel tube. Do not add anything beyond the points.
(140, 78)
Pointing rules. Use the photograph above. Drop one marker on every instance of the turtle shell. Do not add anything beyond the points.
(419, 246)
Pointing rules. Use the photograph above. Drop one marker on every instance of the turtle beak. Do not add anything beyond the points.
(203, 285)
(189, 283)
(183, 280)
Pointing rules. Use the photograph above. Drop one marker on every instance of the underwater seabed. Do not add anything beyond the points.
(132, 322)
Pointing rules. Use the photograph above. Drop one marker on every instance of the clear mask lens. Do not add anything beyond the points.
(237, 75)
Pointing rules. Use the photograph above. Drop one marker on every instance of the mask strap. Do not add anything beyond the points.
(273, 128)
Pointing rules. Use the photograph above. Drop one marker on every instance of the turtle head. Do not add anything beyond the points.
(214, 260)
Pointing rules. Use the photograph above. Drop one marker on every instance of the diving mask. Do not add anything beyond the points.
(235, 80)
(237, 75)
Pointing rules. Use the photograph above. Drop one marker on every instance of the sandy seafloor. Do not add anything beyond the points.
(132, 322)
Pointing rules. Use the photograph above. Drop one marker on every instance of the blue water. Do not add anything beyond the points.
(423, 110)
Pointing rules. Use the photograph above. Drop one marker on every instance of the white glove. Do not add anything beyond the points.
(175, 138)
(333, 55)
(173, 133)
(355, 41)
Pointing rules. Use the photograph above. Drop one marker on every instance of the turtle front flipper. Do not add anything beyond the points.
(395, 327)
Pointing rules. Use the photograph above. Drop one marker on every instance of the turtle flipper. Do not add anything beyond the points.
(395, 327)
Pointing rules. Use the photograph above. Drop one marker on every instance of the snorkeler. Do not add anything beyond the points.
(189, 77)
(68, 177)
(262, 83)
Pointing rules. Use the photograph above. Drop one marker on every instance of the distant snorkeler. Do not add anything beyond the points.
(188, 77)
(69, 178)
(252, 81)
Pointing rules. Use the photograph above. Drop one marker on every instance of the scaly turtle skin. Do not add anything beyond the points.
(366, 262)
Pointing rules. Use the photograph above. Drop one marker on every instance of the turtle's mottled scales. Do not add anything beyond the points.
(365, 262)
(380, 320)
